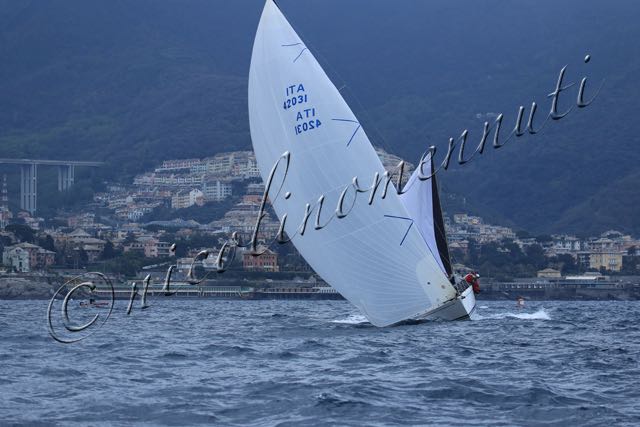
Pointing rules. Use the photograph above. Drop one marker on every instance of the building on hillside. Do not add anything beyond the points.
(93, 247)
(254, 193)
(135, 246)
(31, 221)
(216, 190)
(602, 245)
(199, 168)
(80, 239)
(178, 164)
(16, 258)
(25, 257)
(86, 220)
(247, 167)
(168, 180)
(77, 235)
(220, 164)
(243, 217)
(609, 260)
(267, 262)
(235, 164)
(252, 170)
(466, 219)
(460, 245)
(135, 213)
(492, 233)
(151, 247)
(584, 259)
(186, 198)
(93, 250)
(565, 244)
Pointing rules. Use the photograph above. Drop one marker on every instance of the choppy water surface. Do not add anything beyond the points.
(310, 363)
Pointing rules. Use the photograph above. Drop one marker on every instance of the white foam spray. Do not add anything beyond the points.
(354, 319)
(538, 315)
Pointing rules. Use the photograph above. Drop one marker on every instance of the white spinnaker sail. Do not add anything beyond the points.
(375, 256)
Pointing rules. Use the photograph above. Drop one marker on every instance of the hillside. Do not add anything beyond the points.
(134, 82)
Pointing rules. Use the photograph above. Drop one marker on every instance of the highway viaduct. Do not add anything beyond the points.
(29, 177)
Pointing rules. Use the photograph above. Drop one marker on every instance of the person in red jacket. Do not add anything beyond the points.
(473, 279)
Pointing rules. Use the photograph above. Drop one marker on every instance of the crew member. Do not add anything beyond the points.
(473, 279)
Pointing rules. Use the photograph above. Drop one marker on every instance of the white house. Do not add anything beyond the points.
(17, 258)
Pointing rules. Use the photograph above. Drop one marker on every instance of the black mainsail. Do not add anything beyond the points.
(438, 225)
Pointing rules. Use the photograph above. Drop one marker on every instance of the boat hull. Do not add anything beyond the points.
(458, 309)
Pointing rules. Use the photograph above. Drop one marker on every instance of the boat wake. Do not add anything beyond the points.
(354, 319)
(359, 319)
(538, 315)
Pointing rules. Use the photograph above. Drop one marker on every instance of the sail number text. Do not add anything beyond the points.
(292, 102)
(306, 119)
(306, 126)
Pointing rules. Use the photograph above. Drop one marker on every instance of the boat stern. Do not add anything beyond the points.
(457, 309)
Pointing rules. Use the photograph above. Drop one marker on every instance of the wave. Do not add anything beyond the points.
(354, 319)
(359, 319)
(538, 315)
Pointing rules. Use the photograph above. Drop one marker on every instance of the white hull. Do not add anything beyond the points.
(458, 309)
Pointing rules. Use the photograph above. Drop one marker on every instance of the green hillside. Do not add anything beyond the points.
(135, 82)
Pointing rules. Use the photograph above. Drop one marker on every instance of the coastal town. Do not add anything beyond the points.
(129, 231)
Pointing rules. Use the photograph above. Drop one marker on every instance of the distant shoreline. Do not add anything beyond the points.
(339, 298)
(44, 287)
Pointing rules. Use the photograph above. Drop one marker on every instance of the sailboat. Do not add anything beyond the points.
(389, 258)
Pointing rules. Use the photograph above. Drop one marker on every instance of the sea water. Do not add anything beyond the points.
(267, 363)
